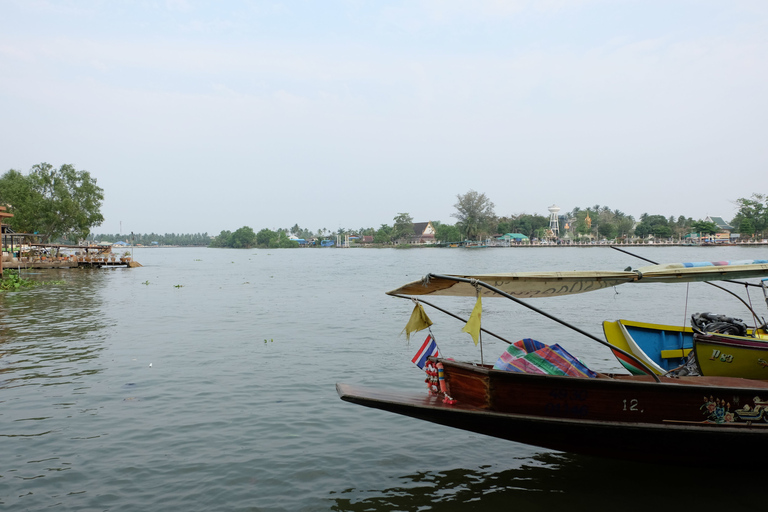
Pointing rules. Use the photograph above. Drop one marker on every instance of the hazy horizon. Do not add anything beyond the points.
(199, 116)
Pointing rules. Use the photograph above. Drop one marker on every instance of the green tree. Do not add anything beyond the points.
(447, 233)
(223, 240)
(747, 227)
(403, 227)
(656, 225)
(61, 202)
(264, 237)
(704, 227)
(525, 224)
(755, 209)
(281, 241)
(383, 235)
(243, 238)
(624, 224)
(475, 214)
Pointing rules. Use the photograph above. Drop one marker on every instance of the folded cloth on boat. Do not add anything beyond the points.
(531, 356)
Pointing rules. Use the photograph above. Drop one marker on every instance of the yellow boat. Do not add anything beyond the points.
(661, 347)
(666, 347)
(731, 356)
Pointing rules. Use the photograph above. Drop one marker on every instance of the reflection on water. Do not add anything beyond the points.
(51, 336)
(50, 341)
(433, 490)
(548, 480)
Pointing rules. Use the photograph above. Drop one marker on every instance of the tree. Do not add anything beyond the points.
(383, 235)
(403, 228)
(54, 202)
(704, 227)
(755, 209)
(243, 238)
(281, 241)
(656, 225)
(746, 227)
(223, 240)
(475, 214)
(447, 233)
(264, 236)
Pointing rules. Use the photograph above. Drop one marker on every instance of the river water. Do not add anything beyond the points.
(205, 380)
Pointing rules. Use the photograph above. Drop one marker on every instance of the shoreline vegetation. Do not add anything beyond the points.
(500, 245)
(478, 222)
(597, 225)
(12, 282)
(64, 204)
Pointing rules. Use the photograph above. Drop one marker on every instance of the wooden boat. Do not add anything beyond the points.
(666, 347)
(626, 417)
(729, 355)
(660, 347)
(638, 417)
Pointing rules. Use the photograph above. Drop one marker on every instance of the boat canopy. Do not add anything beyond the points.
(554, 284)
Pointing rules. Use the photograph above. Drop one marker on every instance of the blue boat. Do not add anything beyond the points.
(661, 347)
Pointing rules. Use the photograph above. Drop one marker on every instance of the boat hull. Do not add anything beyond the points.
(721, 354)
(626, 417)
(661, 347)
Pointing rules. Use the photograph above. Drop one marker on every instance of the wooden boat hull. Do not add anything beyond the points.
(630, 417)
(661, 347)
(666, 347)
(737, 356)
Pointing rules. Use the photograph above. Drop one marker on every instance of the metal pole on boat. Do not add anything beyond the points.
(544, 313)
(764, 284)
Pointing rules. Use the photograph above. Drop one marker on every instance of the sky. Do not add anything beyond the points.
(203, 116)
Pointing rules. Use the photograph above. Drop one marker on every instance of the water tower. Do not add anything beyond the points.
(554, 225)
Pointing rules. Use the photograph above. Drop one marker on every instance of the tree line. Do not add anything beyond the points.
(246, 238)
(65, 204)
(476, 219)
(183, 240)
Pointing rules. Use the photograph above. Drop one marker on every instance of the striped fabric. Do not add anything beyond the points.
(531, 356)
(722, 263)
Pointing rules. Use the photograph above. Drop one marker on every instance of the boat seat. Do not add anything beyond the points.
(675, 353)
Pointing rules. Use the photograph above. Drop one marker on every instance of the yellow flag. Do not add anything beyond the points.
(473, 324)
(419, 320)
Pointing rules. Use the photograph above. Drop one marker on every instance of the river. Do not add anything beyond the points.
(205, 380)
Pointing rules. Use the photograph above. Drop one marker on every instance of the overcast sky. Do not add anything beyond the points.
(202, 116)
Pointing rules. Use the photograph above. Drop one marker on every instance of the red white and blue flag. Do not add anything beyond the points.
(428, 348)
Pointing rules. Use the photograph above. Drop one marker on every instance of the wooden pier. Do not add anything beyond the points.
(67, 263)
(39, 256)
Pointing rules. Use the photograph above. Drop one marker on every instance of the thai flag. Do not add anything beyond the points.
(428, 348)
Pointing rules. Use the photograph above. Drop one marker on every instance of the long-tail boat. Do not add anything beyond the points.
(665, 348)
(731, 355)
(641, 417)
